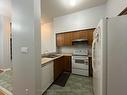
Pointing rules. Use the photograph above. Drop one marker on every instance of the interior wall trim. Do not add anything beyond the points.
(124, 12)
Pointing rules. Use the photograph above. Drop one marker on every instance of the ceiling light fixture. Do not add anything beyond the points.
(72, 3)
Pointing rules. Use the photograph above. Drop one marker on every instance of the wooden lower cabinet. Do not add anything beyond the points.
(62, 64)
(58, 67)
(67, 64)
(90, 67)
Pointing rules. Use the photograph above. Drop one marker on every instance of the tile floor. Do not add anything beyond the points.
(76, 85)
(6, 80)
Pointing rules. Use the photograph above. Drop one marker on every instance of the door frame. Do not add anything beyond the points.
(124, 12)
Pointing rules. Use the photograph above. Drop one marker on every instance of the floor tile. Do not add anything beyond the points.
(76, 85)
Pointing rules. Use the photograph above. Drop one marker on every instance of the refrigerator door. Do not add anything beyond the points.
(95, 62)
(117, 56)
(99, 59)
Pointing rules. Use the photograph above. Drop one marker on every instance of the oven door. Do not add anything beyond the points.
(80, 62)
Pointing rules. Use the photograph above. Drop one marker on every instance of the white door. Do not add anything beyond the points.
(5, 42)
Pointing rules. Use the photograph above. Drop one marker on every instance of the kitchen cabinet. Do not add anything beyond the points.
(60, 40)
(68, 39)
(65, 39)
(47, 75)
(58, 67)
(62, 64)
(90, 36)
(67, 64)
(90, 67)
(79, 35)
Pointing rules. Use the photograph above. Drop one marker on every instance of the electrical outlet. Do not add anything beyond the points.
(27, 91)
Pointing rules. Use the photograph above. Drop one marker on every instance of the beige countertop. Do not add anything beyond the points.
(46, 60)
(67, 54)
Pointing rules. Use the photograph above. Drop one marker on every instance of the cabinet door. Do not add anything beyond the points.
(68, 39)
(58, 67)
(90, 36)
(51, 72)
(90, 67)
(44, 78)
(47, 77)
(79, 35)
(76, 35)
(83, 34)
(65, 39)
(60, 40)
(67, 64)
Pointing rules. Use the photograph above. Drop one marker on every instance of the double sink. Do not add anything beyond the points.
(51, 56)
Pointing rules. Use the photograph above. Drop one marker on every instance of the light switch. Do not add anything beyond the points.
(24, 50)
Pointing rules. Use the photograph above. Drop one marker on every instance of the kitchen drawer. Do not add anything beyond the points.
(80, 66)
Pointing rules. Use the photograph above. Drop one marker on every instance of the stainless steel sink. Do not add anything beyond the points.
(50, 56)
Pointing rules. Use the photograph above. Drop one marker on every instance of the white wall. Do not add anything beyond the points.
(80, 20)
(5, 16)
(5, 61)
(26, 33)
(115, 7)
(1, 43)
(47, 38)
(70, 49)
(5, 8)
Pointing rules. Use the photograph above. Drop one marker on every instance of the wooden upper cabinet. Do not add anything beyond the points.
(76, 35)
(65, 39)
(60, 40)
(79, 35)
(90, 36)
(83, 34)
(68, 39)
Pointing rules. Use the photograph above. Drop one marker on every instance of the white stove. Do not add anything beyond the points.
(80, 62)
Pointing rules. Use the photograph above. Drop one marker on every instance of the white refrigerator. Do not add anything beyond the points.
(109, 57)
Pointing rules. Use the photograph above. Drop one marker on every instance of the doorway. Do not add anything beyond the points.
(5, 56)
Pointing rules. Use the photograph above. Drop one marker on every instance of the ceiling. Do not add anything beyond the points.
(54, 8)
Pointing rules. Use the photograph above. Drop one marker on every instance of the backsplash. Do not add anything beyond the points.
(69, 49)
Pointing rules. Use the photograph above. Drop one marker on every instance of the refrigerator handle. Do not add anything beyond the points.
(93, 54)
